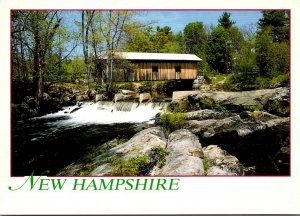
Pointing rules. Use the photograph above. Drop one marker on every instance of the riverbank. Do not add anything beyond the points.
(221, 133)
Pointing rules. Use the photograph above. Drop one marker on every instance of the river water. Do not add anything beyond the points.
(56, 140)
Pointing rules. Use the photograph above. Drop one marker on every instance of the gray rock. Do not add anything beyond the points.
(222, 163)
(185, 155)
(233, 101)
(126, 92)
(102, 170)
(236, 125)
(141, 143)
(206, 114)
(99, 97)
(46, 97)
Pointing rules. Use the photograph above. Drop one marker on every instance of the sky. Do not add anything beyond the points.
(178, 19)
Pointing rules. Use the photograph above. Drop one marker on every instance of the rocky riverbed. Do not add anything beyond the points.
(225, 133)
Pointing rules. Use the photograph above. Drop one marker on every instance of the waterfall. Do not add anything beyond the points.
(106, 112)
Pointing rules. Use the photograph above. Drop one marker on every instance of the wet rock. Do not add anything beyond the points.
(126, 92)
(23, 111)
(82, 98)
(46, 97)
(221, 163)
(30, 101)
(99, 97)
(92, 94)
(185, 155)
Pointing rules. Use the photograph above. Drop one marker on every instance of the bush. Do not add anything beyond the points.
(158, 156)
(146, 86)
(240, 81)
(280, 80)
(132, 167)
(278, 107)
(172, 122)
(262, 82)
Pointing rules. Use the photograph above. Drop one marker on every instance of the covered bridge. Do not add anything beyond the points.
(157, 66)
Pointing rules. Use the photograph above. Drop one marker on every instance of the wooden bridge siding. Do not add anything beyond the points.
(166, 71)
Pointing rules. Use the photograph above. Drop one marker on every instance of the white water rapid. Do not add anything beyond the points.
(108, 113)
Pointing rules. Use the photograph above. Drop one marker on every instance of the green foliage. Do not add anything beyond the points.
(135, 166)
(262, 82)
(125, 85)
(195, 38)
(219, 50)
(140, 165)
(240, 81)
(280, 80)
(158, 155)
(225, 21)
(145, 86)
(172, 121)
(278, 23)
(206, 164)
(252, 108)
(277, 59)
(180, 107)
(277, 107)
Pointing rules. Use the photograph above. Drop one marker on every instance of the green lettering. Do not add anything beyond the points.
(105, 186)
(76, 184)
(57, 184)
(130, 184)
(119, 182)
(162, 185)
(151, 184)
(92, 185)
(31, 180)
(44, 184)
(174, 182)
(141, 184)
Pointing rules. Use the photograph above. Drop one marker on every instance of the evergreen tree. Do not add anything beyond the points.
(225, 21)
(278, 24)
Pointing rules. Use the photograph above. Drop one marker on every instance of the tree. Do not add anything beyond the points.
(37, 30)
(277, 22)
(138, 38)
(162, 40)
(86, 24)
(195, 38)
(225, 21)
(219, 50)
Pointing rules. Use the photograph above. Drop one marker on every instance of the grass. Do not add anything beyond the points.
(172, 121)
(206, 164)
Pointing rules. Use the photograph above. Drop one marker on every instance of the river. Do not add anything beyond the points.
(56, 140)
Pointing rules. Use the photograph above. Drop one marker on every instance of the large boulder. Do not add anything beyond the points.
(272, 100)
(221, 163)
(141, 143)
(185, 155)
(260, 141)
